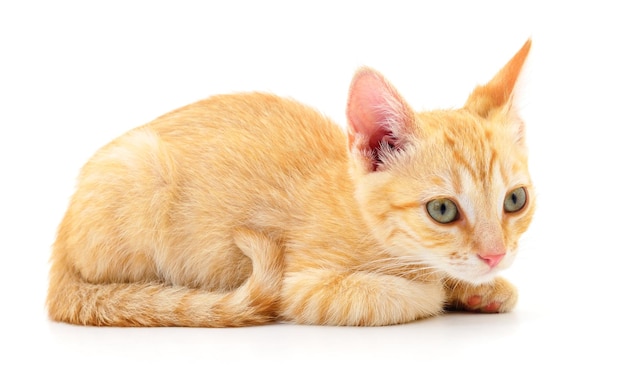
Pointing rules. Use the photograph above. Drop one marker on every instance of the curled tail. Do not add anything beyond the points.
(72, 300)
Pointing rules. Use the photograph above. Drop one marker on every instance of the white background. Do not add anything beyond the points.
(74, 75)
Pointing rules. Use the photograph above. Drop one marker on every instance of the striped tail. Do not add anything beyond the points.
(72, 300)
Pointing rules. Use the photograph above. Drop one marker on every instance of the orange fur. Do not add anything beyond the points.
(243, 209)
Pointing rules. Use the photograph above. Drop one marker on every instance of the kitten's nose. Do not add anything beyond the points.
(492, 260)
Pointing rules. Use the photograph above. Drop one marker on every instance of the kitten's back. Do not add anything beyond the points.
(166, 202)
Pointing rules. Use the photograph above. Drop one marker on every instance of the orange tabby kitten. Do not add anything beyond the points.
(243, 209)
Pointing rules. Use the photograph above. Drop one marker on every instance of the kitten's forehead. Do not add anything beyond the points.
(475, 143)
(476, 159)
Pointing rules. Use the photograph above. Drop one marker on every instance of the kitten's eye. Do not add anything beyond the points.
(515, 200)
(442, 210)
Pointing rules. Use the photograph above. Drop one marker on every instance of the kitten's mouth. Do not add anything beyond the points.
(474, 273)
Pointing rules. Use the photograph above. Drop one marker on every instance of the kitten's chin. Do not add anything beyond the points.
(473, 278)
(479, 279)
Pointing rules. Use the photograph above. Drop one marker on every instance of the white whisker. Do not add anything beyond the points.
(408, 267)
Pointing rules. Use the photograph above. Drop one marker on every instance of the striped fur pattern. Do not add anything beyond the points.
(249, 208)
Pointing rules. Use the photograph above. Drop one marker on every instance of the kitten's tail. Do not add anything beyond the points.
(72, 300)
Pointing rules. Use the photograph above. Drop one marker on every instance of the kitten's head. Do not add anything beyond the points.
(450, 187)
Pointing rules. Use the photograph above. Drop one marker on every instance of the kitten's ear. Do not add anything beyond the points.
(499, 93)
(379, 119)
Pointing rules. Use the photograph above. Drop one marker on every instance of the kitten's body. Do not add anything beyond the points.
(241, 209)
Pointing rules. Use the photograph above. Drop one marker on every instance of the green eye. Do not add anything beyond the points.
(442, 210)
(515, 200)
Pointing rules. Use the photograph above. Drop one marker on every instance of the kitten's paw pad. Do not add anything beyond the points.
(475, 303)
(492, 307)
(499, 296)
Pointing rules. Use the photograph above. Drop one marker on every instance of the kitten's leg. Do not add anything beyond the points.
(261, 291)
(497, 296)
(357, 298)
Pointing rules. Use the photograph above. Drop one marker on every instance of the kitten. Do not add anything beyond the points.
(248, 208)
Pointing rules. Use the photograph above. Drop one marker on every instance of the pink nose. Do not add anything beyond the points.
(492, 260)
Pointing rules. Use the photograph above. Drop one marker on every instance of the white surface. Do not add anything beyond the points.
(75, 75)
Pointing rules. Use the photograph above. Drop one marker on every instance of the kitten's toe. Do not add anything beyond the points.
(475, 303)
(492, 307)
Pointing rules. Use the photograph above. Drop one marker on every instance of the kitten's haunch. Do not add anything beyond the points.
(249, 208)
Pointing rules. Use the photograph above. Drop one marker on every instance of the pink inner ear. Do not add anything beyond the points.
(372, 109)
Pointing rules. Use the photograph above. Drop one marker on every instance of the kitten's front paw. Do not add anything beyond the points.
(497, 296)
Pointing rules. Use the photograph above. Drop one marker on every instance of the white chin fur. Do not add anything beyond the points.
(477, 279)
(475, 275)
